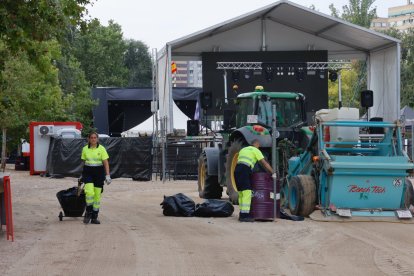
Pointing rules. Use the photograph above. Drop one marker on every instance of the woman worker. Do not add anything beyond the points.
(95, 173)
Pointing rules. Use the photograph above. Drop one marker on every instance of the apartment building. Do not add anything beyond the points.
(400, 17)
(188, 74)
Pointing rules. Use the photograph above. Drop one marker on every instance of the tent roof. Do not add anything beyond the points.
(287, 26)
(407, 112)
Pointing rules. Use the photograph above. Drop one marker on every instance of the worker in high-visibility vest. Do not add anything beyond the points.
(95, 173)
(246, 161)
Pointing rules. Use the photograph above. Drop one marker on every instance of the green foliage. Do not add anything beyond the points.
(24, 22)
(407, 68)
(76, 90)
(359, 12)
(30, 33)
(334, 11)
(50, 57)
(407, 64)
(349, 79)
(101, 53)
(138, 62)
(107, 58)
(29, 93)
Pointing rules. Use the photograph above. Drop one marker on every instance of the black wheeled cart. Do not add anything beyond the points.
(72, 202)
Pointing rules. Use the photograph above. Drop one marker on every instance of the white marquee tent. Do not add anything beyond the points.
(283, 26)
(147, 127)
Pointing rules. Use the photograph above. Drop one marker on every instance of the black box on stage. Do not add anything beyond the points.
(193, 127)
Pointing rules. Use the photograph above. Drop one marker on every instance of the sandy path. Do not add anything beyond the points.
(136, 239)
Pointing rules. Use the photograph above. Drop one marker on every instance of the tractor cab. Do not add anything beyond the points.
(256, 108)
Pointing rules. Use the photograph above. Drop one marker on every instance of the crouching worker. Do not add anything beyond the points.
(95, 173)
(246, 161)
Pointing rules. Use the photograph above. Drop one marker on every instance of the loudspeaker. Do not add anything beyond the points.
(193, 127)
(206, 99)
(367, 98)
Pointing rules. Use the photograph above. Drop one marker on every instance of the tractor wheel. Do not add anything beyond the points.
(208, 185)
(409, 194)
(302, 195)
(231, 162)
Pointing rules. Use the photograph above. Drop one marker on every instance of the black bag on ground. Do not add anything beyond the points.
(178, 205)
(214, 208)
(72, 204)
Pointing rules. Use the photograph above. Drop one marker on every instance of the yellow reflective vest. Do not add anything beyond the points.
(94, 156)
(249, 156)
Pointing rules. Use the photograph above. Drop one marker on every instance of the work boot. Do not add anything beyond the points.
(243, 217)
(247, 219)
(95, 219)
(88, 214)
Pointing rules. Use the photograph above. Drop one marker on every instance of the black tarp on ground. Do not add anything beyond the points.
(128, 157)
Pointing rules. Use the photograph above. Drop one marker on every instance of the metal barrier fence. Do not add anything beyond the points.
(181, 161)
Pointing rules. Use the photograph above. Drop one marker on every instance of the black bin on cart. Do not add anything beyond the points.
(72, 204)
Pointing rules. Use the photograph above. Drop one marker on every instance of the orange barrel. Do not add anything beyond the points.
(262, 202)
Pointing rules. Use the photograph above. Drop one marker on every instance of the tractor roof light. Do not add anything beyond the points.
(258, 128)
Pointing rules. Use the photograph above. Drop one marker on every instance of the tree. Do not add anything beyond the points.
(407, 67)
(101, 52)
(407, 64)
(138, 62)
(76, 90)
(29, 92)
(334, 11)
(23, 25)
(349, 79)
(25, 22)
(359, 12)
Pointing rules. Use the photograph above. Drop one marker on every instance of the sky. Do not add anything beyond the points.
(157, 22)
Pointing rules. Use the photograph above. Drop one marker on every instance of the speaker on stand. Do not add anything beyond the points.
(206, 100)
(367, 100)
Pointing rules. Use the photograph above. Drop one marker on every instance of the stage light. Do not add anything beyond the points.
(235, 75)
(269, 73)
(279, 71)
(247, 75)
(333, 75)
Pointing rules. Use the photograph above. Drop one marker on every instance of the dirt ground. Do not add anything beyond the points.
(136, 239)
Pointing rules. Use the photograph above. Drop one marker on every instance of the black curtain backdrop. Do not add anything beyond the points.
(313, 87)
(128, 157)
(120, 109)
